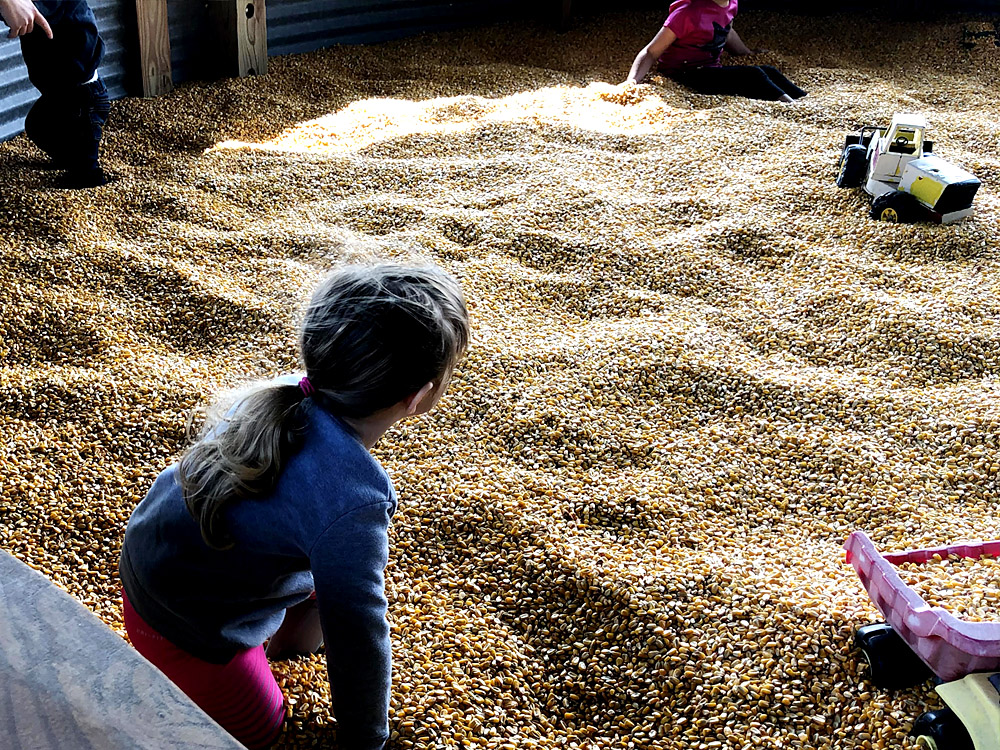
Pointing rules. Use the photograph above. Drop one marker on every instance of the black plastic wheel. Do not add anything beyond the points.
(896, 207)
(853, 166)
(941, 730)
(893, 665)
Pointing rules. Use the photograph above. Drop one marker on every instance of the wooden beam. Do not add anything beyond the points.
(252, 31)
(241, 34)
(154, 47)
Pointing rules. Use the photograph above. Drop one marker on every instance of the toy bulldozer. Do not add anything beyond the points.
(918, 642)
(908, 183)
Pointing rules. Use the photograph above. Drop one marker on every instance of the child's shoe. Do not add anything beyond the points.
(87, 178)
(68, 128)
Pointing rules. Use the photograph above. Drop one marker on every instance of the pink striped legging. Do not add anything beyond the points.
(242, 696)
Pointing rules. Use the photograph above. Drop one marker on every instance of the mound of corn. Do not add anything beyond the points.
(697, 364)
(968, 587)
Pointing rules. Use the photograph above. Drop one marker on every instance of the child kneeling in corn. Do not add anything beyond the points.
(280, 507)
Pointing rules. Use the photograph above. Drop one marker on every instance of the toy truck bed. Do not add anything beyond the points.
(951, 647)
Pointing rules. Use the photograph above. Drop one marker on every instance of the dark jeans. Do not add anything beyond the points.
(72, 55)
(67, 121)
(751, 81)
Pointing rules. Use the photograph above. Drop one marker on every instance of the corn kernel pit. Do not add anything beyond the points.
(697, 365)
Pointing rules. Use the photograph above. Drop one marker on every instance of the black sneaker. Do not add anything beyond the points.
(68, 126)
(76, 179)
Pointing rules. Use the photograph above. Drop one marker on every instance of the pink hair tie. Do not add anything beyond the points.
(306, 387)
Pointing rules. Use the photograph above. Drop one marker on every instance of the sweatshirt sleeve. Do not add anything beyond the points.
(348, 565)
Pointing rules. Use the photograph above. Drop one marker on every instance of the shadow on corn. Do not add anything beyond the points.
(36, 331)
(105, 410)
(164, 305)
(581, 639)
(909, 336)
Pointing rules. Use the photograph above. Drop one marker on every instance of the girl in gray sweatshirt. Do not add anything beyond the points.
(274, 525)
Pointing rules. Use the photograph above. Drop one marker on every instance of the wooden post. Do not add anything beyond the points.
(241, 34)
(252, 38)
(154, 47)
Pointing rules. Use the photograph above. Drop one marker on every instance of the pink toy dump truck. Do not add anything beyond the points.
(918, 641)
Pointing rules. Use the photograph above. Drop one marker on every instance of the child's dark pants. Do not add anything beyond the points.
(67, 120)
(750, 81)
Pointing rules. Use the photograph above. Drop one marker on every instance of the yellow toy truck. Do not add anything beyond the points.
(907, 182)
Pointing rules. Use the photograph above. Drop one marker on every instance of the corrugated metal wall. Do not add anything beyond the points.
(117, 24)
(16, 93)
(305, 25)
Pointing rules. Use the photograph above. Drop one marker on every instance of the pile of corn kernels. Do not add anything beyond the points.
(967, 587)
(697, 366)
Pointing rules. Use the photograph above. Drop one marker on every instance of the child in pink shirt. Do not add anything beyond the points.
(689, 46)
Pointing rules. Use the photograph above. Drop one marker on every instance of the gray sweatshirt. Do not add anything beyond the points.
(325, 527)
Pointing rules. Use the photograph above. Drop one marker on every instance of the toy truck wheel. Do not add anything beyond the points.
(941, 730)
(892, 664)
(896, 207)
(853, 165)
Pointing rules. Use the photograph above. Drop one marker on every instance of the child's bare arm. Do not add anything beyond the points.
(649, 54)
(735, 45)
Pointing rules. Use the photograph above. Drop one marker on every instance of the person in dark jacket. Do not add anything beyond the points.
(62, 50)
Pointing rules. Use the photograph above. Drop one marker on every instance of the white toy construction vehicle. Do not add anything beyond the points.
(896, 167)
